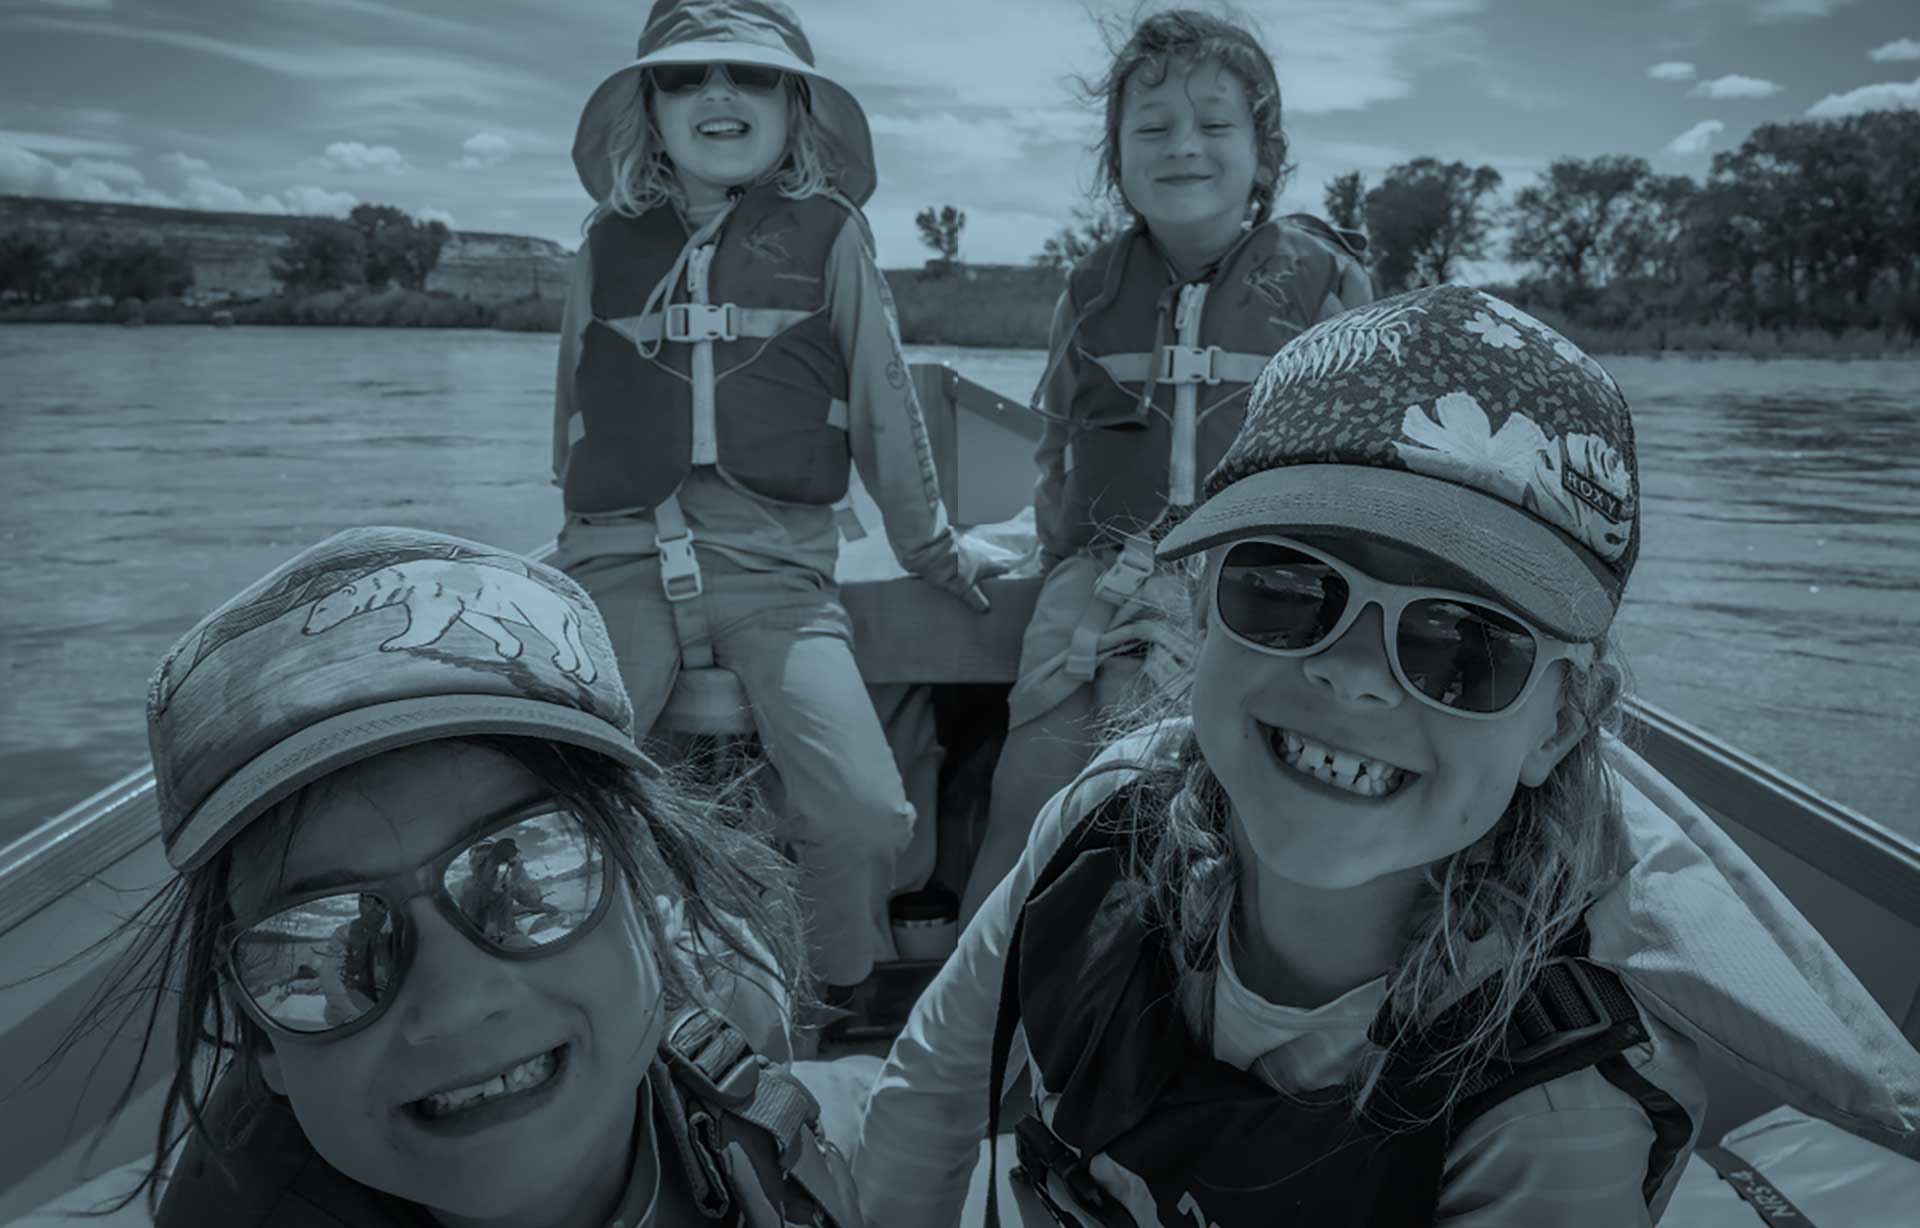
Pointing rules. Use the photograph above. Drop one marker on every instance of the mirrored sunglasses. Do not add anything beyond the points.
(329, 964)
(1453, 651)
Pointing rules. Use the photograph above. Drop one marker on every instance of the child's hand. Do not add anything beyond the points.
(963, 568)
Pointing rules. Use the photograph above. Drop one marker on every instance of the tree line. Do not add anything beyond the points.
(374, 246)
(1813, 223)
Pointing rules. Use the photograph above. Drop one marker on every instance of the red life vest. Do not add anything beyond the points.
(1092, 982)
(736, 365)
(1166, 364)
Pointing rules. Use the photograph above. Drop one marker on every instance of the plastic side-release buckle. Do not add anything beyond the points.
(1186, 364)
(1558, 1037)
(1129, 573)
(703, 322)
(679, 570)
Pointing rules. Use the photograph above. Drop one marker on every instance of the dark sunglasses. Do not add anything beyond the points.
(329, 964)
(1452, 651)
(687, 78)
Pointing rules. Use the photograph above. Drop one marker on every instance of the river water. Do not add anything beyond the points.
(147, 474)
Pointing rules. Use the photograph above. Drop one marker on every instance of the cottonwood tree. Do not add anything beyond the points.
(1094, 223)
(941, 232)
(1427, 216)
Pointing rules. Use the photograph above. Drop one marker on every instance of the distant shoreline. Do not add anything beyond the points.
(998, 308)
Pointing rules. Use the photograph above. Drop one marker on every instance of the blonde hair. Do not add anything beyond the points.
(643, 175)
(1522, 887)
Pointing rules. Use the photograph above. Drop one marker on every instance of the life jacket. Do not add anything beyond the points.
(1205, 1142)
(732, 365)
(1166, 364)
(746, 1133)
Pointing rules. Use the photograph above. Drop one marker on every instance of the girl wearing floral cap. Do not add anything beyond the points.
(1156, 339)
(369, 1037)
(1372, 921)
(728, 356)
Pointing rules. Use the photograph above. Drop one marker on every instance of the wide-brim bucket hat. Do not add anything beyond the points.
(761, 32)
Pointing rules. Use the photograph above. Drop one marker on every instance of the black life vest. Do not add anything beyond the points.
(1093, 984)
(1166, 364)
(773, 375)
(712, 1092)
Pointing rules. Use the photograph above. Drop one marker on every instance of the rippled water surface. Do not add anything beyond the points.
(149, 473)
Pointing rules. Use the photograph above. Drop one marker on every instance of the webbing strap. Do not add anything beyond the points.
(1115, 587)
(1761, 1194)
(1182, 455)
(754, 322)
(680, 580)
(1223, 366)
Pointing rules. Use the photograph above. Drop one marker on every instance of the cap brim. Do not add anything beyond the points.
(332, 744)
(839, 114)
(1540, 572)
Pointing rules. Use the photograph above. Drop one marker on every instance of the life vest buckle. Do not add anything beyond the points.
(1557, 1037)
(1186, 364)
(679, 570)
(703, 322)
(1129, 573)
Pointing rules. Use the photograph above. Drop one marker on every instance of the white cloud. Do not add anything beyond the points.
(1797, 10)
(26, 173)
(352, 156)
(1898, 50)
(1733, 85)
(186, 164)
(431, 214)
(63, 146)
(482, 150)
(1885, 96)
(1671, 70)
(320, 202)
(1694, 141)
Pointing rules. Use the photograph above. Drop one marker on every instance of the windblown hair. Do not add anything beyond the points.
(741, 912)
(1520, 888)
(643, 175)
(1164, 42)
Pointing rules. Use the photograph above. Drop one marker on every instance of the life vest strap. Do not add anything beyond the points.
(1570, 1001)
(693, 322)
(1178, 364)
(680, 580)
(725, 1085)
(1115, 587)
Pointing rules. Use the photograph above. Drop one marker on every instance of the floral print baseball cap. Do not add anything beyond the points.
(374, 639)
(1454, 423)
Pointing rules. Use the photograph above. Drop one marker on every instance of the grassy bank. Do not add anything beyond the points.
(996, 306)
(360, 308)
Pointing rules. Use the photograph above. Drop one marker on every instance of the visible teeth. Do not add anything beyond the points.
(530, 1073)
(716, 126)
(1341, 769)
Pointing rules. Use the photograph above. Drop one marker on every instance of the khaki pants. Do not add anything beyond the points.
(790, 641)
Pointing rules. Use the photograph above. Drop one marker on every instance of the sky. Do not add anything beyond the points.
(464, 110)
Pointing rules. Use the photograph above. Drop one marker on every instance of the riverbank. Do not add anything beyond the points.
(994, 307)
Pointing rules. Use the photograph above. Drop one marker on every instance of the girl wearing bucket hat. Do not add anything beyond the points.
(728, 355)
(1156, 339)
(369, 1037)
(1373, 921)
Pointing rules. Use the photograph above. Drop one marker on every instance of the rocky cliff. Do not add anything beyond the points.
(233, 253)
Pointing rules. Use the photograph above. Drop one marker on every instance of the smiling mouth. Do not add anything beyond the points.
(723, 127)
(530, 1075)
(1186, 179)
(1337, 769)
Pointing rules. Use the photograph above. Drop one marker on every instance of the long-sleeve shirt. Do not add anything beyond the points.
(1569, 1153)
(885, 431)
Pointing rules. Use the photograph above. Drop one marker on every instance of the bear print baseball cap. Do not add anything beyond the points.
(374, 639)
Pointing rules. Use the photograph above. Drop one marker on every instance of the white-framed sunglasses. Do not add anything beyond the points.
(1457, 652)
